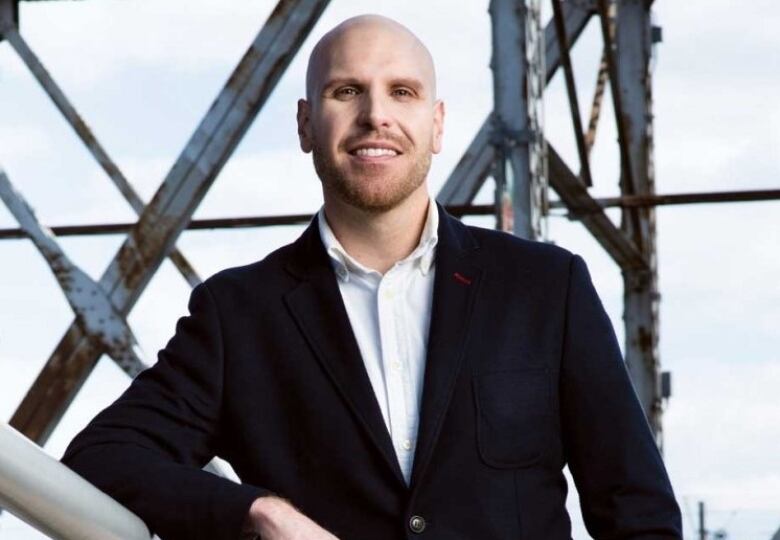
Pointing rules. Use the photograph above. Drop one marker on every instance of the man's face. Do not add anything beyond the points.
(372, 121)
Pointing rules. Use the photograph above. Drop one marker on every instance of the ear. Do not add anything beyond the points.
(438, 126)
(304, 126)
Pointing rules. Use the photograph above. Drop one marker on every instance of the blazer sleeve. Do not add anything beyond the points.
(623, 485)
(146, 450)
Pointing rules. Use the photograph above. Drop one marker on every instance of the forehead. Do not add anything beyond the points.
(374, 51)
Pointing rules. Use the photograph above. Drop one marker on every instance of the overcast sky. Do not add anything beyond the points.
(144, 73)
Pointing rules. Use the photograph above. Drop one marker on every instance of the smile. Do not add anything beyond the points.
(374, 152)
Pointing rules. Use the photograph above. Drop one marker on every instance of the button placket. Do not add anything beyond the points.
(392, 364)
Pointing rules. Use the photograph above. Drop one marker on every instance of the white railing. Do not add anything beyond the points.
(50, 497)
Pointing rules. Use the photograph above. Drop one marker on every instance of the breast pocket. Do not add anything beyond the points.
(514, 416)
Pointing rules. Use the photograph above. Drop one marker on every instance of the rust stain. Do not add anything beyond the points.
(49, 392)
(126, 264)
(279, 10)
(645, 339)
(243, 69)
(83, 130)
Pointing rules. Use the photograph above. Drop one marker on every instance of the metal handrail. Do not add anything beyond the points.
(46, 494)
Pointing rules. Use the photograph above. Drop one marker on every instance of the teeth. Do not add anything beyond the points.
(375, 152)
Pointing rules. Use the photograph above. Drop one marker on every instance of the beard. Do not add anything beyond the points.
(371, 189)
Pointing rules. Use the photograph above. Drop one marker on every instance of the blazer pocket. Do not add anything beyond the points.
(514, 416)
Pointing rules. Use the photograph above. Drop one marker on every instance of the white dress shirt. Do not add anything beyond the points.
(390, 315)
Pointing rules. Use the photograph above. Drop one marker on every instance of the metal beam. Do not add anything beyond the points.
(511, 136)
(165, 217)
(518, 82)
(571, 91)
(90, 141)
(95, 314)
(194, 225)
(628, 169)
(9, 16)
(219, 223)
(473, 168)
(469, 174)
(641, 297)
(638, 201)
(576, 16)
(669, 199)
(571, 191)
(610, 54)
(595, 107)
(574, 195)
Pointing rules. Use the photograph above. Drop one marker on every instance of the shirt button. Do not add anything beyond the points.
(396, 365)
(407, 444)
(417, 524)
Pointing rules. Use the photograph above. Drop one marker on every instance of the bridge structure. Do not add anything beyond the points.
(510, 150)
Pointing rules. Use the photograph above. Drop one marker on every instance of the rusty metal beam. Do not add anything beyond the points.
(571, 191)
(576, 16)
(636, 201)
(628, 182)
(90, 141)
(218, 223)
(95, 314)
(473, 168)
(194, 225)
(633, 37)
(598, 99)
(644, 201)
(571, 91)
(511, 131)
(172, 207)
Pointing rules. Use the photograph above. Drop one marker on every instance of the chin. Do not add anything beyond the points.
(384, 201)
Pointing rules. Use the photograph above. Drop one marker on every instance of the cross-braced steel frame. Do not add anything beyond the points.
(509, 147)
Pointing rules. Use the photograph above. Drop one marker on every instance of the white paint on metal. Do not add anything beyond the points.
(95, 313)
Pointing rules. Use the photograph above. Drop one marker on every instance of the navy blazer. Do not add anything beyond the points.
(523, 376)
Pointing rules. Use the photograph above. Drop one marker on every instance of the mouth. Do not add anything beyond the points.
(374, 151)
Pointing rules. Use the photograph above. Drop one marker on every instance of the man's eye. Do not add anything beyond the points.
(347, 91)
(402, 92)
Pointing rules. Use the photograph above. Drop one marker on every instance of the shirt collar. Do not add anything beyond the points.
(344, 264)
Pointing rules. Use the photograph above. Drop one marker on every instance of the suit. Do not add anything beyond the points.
(523, 375)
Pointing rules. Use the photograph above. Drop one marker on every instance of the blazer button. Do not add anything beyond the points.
(417, 524)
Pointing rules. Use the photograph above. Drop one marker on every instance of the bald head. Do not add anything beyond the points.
(340, 45)
(371, 119)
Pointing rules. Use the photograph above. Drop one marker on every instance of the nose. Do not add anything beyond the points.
(374, 111)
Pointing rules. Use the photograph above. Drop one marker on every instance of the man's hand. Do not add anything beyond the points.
(274, 518)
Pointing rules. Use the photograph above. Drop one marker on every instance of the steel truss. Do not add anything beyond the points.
(509, 147)
(161, 221)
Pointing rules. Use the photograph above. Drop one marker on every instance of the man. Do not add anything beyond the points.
(393, 373)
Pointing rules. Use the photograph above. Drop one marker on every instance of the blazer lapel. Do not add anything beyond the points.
(318, 309)
(455, 289)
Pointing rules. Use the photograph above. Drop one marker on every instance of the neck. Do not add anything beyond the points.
(379, 240)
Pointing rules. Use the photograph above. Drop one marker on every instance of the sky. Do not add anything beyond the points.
(144, 73)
